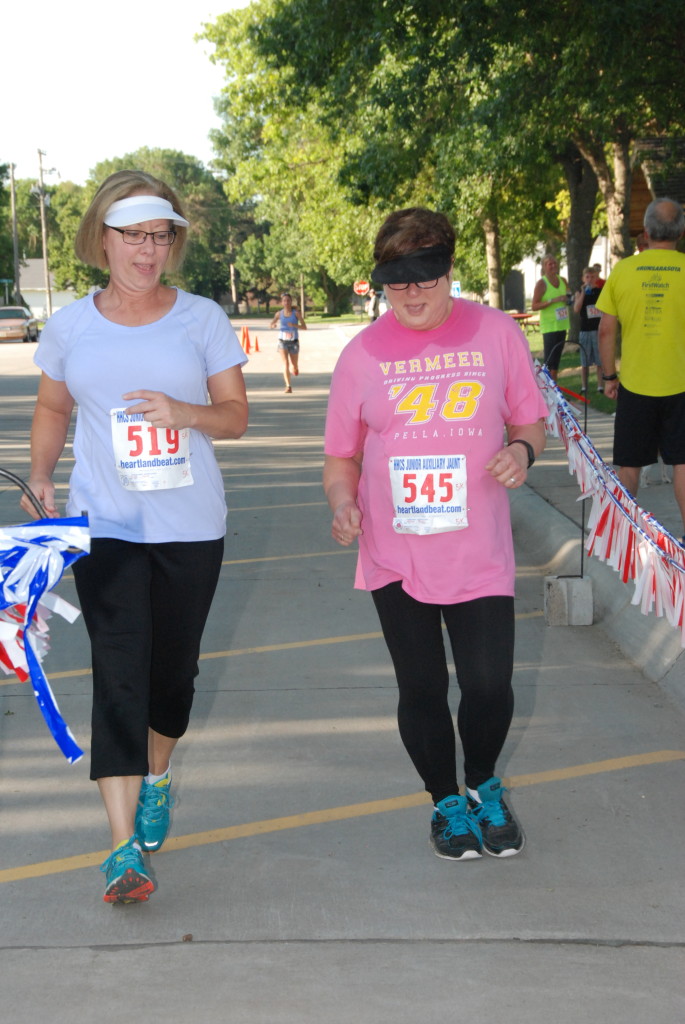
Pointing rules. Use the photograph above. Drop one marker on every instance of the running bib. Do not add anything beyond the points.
(428, 493)
(561, 313)
(149, 458)
(593, 313)
(287, 336)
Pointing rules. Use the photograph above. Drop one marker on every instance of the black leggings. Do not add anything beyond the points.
(145, 608)
(481, 634)
(553, 345)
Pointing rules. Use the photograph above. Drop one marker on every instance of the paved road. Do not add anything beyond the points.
(298, 885)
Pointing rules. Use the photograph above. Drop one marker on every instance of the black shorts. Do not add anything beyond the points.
(649, 426)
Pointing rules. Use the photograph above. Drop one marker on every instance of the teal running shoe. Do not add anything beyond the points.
(454, 834)
(153, 813)
(127, 880)
(502, 834)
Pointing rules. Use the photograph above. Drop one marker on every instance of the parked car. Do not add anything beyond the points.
(17, 324)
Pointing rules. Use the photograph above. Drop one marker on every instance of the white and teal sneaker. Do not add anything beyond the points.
(454, 835)
(153, 813)
(127, 879)
(502, 834)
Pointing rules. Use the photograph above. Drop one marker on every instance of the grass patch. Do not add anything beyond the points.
(569, 374)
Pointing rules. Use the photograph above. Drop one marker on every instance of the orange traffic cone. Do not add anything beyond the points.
(256, 343)
(247, 341)
(242, 336)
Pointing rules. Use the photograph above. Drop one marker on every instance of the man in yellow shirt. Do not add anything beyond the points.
(645, 293)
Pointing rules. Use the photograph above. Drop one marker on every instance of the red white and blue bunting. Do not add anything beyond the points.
(620, 532)
(32, 560)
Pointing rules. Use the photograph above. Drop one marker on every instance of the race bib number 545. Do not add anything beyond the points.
(428, 493)
(149, 458)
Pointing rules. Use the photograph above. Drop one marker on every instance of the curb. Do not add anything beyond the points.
(552, 542)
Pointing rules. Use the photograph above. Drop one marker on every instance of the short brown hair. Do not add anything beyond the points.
(121, 185)
(410, 229)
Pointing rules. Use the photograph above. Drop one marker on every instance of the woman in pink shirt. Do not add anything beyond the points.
(417, 469)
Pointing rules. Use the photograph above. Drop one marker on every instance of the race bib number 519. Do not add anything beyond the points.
(149, 458)
(428, 493)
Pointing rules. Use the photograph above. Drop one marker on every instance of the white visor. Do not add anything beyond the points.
(137, 209)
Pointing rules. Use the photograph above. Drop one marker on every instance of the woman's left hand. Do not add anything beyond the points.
(509, 466)
(159, 409)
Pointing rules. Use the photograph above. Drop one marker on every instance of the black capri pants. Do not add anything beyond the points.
(145, 607)
(481, 635)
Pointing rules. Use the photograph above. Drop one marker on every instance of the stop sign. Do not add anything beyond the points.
(360, 287)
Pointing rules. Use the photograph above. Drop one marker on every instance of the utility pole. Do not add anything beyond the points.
(44, 231)
(15, 237)
(234, 288)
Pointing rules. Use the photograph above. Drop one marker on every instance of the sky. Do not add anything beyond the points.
(87, 81)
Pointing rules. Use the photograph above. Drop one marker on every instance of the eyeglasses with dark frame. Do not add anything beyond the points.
(134, 237)
(419, 284)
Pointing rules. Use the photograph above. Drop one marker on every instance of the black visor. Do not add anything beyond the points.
(427, 264)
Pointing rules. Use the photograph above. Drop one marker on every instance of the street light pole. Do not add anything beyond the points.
(15, 237)
(44, 231)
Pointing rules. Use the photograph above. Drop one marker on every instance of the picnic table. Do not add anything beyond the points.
(530, 322)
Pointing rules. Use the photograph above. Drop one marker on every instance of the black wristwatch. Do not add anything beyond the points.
(609, 376)
(529, 449)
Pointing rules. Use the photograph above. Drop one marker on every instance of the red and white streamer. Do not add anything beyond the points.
(620, 532)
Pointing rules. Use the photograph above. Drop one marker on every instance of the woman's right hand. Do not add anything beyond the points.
(347, 523)
(44, 489)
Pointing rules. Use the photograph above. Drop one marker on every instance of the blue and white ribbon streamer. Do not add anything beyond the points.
(33, 558)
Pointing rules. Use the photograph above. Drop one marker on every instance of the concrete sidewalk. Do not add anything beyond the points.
(298, 885)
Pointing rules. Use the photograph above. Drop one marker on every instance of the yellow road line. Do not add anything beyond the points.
(343, 813)
(287, 558)
(265, 649)
(292, 645)
(239, 651)
(268, 508)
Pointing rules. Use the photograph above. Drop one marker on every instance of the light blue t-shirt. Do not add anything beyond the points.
(100, 361)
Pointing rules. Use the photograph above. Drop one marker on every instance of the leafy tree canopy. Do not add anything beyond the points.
(368, 121)
(595, 74)
(286, 162)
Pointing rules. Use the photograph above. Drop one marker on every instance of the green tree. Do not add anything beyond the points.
(595, 75)
(29, 232)
(284, 160)
(68, 205)
(401, 120)
(6, 248)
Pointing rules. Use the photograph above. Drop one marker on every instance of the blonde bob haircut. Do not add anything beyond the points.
(122, 185)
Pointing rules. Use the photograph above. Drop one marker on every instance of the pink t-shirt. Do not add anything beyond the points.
(426, 402)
